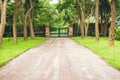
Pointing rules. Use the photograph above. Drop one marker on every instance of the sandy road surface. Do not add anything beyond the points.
(58, 59)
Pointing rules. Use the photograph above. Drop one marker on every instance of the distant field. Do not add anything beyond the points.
(10, 51)
(110, 54)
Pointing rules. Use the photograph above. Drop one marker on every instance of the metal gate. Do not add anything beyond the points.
(59, 32)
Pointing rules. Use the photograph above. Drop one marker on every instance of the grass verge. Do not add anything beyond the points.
(10, 51)
(110, 54)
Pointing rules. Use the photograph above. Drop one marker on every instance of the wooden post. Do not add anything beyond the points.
(70, 31)
(47, 31)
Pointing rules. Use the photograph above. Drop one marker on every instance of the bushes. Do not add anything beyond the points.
(117, 33)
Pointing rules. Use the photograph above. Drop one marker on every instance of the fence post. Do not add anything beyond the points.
(70, 30)
(47, 31)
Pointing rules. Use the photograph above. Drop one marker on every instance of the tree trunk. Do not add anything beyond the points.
(24, 16)
(101, 24)
(86, 31)
(0, 5)
(84, 23)
(83, 16)
(112, 25)
(87, 24)
(96, 20)
(24, 21)
(15, 21)
(82, 29)
(30, 18)
(106, 26)
(101, 29)
(3, 19)
(25, 29)
(81, 19)
(31, 26)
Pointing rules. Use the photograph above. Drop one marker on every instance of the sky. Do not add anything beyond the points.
(54, 1)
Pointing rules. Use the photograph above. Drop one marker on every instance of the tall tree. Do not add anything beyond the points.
(15, 21)
(85, 11)
(81, 16)
(112, 25)
(31, 21)
(24, 20)
(3, 5)
(25, 16)
(105, 16)
(67, 12)
(97, 20)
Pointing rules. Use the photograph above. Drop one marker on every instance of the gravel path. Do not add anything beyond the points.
(58, 59)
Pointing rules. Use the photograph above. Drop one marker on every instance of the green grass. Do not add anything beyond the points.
(10, 51)
(110, 54)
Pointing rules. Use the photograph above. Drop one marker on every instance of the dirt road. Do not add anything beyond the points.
(58, 59)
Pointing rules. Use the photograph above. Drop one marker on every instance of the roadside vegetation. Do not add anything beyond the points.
(109, 54)
(10, 51)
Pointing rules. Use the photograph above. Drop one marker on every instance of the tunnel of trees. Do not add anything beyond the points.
(29, 17)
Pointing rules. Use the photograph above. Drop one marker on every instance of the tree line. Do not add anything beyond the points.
(103, 12)
(33, 13)
(26, 14)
